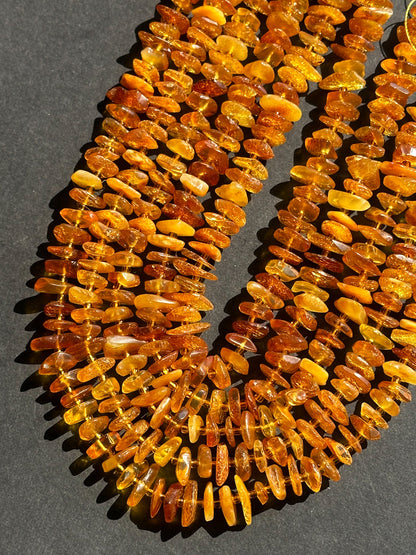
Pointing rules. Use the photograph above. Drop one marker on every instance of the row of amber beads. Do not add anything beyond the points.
(139, 103)
(369, 414)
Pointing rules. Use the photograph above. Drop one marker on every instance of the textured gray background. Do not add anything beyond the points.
(57, 61)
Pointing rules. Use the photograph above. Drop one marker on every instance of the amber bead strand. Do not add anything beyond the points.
(94, 159)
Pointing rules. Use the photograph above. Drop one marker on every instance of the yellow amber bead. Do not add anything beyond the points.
(348, 80)
(293, 78)
(234, 192)
(165, 452)
(244, 498)
(350, 65)
(86, 180)
(232, 46)
(238, 112)
(156, 58)
(319, 374)
(195, 424)
(210, 12)
(260, 70)
(204, 459)
(276, 481)
(306, 287)
(208, 502)
(359, 293)
(166, 242)
(181, 147)
(80, 412)
(227, 505)
(310, 302)
(347, 201)
(376, 337)
(303, 66)
(401, 371)
(194, 184)
(276, 103)
(183, 465)
(352, 309)
(237, 361)
(178, 227)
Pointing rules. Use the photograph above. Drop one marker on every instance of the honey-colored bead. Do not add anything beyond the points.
(80, 412)
(237, 361)
(189, 503)
(183, 466)
(195, 185)
(238, 112)
(208, 502)
(178, 227)
(86, 180)
(339, 451)
(227, 505)
(311, 473)
(325, 464)
(143, 486)
(399, 370)
(232, 46)
(319, 374)
(364, 429)
(282, 106)
(166, 451)
(310, 302)
(378, 339)
(204, 459)
(352, 309)
(233, 192)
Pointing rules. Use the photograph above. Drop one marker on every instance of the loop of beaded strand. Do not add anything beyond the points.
(174, 294)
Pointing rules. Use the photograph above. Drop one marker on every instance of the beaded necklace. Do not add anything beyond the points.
(166, 396)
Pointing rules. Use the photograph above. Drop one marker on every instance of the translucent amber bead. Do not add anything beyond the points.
(348, 80)
(80, 412)
(385, 402)
(281, 105)
(311, 473)
(325, 465)
(339, 451)
(238, 112)
(365, 430)
(319, 374)
(361, 383)
(234, 192)
(227, 505)
(233, 46)
(352, 309)
(399, 370)
(86, 180)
